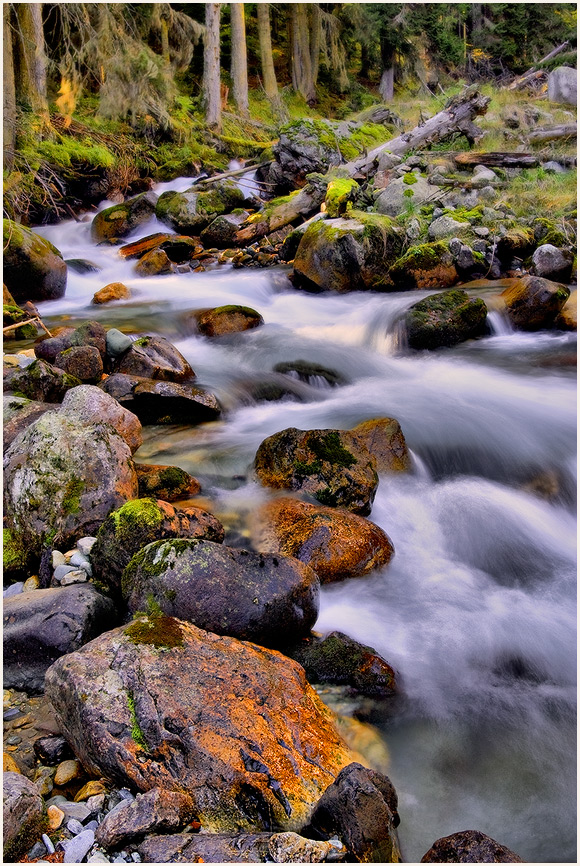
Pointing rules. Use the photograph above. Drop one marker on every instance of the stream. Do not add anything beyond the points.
(476, 612)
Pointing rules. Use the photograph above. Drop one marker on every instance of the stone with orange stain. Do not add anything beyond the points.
(111, 292)
(148, 706)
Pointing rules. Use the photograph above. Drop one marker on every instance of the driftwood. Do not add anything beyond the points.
(567, 130)
(35, 321)
(234, 173)
(532, 72)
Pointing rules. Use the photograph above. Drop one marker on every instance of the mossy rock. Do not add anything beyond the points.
(192, 211)
(425, 266)
(165, 482)
(547, 232)
(445, 320)
(229, 319)
(34, 269)
(12, 315)
(17, 557)
(119, 220)
(518, 242)
(339, 193)
(40, 381)
(533, 303)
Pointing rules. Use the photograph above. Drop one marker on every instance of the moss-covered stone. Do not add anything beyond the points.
(339, 193)
(119, 220)
(192, 211)
(547, 232)
(425, 266)
(34, 269)
(533, 303)
(13, 315)
(229, 319)
(16, 558)
(444, 320)
(160, 631)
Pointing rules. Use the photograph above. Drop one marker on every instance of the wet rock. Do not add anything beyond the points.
(154, 358)
(312, 374)
(111, 292)
(340, 660)
(222, 231)
(157, 811)
(83, 362)
(469, 846)
(567, 318)
(192, 211)
(533, 303)
(153, 263)
(336, 544)
(562, 85)
(386, 442)
(230, 319)
(165, 482)
(553, 264)
(9, 764)
(52, 750)
(395, 198)
(34, 269)
(39, 381)
(251, 596)
(121, 219)
(117, 343)
(23, 819)
(445, 320)
(264, 747)
(155, 402)
(19, 413)
(139, 523)
(62, 478)
(425, 266)
(82, 266)
(43, 625)
(90, 405)
(334, 466)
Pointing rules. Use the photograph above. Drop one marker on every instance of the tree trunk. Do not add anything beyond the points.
(387, 85)
(301, 63)
(30, 56)
(165, 40)
(211, 66)
(268, 73)
(239, 58)
(9, 101)
(303, 203)
(523, 79)
(497, 159)
(315, 33)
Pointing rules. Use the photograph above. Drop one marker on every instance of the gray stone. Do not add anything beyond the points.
(75, 850)
(80, 811)
(81, 561)
(22, 815)
(392, 200)
(88, 404)
(455, 245)
(465, 258)
(488, 193)
(117, 343)
(57, 558)
(481, 231)
(157, 811)
(75, 827)
(48, 844)
(79, 575)
(554, 167)
(479, 246)
(13, 589)
(552, 263)
(413, 230)
(388, 160)
(61, 570)
(562, 84)
(19, 413)
(483, 174)
(444, 226)
(85, 544)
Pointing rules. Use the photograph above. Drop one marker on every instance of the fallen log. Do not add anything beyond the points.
(234, 173)
(566, 130)
(532, 71)
(302, 203)
(497, 159)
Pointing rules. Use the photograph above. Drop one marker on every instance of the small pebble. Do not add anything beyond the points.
(57, 800)
(61, 570)
(31, 584)
(13, 741)
(14, 589)
(10, 765)
(79, 575)
(85, 544)
(55, 817)
(12, 713)
(57, 558)
(96, 803)
(126, 794)
(75, 810)
(136, 857)
(75, 850)
(119, 859)
(81, 561)
(49, 846)
(69, 553)
(97, 857)
(90, 789)
(37, 850)
(91, 825)
(67, 771)
(74, 826)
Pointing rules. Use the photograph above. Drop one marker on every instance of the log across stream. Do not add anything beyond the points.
(476, 611)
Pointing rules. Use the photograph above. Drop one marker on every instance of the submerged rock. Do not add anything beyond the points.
(34, 269)
(111, 292)
(469, 846)
(263, 748)
(445, 320)
(533, 303)
(165, 482)
(386, 442)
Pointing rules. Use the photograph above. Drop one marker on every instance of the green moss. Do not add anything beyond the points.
(338, 193)
(546, 232)
(328, 447)
(173, 476)
(71, 503)
(143, 512)
(410, 178)
(421, 257)
(235, 308)
(157, 629)
(136, 732)
(326, 497)
(302, 470)
(29, 833)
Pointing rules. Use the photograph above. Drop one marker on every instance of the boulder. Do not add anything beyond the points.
(469, 846)
(82, 266)
(386, 442)
(180, 248)
(90, 405)
(263, 747)
(154, 358)
(63, 477)
(445, 320)
(39, 381)
(157, 811)
(340, 660)
(360, 807)
(305, 146)
(411, 190)
(251, 596)
(83, 362)
(42, 625)
(553, 264)
(334, 466)
(446, 227)
(155, 402)
(165, 482)
(19, 413)
(425, 266)
(242, 848)
(139, 523)
(231, 319)
(34, 269)
(222, 231)
(24, 820)
(120, 220)
(111, 292)
(533, 303)
(347, 255)
(153, 263)
(47, 348)
(562, 85)
(192, 211)
(334, 543)
(567, 318)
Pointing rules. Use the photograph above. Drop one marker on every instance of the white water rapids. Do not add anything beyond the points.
(476, 611)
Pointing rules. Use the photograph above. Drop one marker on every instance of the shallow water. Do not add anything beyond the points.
(477, 609)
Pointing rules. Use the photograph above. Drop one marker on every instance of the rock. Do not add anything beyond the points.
(67, 771)
(567, 319)
(40, 381)
(9, 764)
(553, 264)
(34, 269)
(153, 263)
(305, 146)
(483, 175)
(553, 166)
(111, 292)
(17, 557)
(120, 220)
(264, 747)
(157, 811)
(23, 819)
(533, 303)
(83, 362)
(165, 482)
(469, 846)
(445, 320)
(62, 478)
(154, 358)
(55, 817)
(117, 343)
(385, 440)
(192, 211)
(562, 84)
(155, 402)
(251, 596)
(394, 199)
(76, 849)
(41, 626)
(82, 266)
(515, 242)
(334, 466)
(206, 848)
(425, 266)
(52, 750)
(344, 255)
(221, 232)
(19, 413)
(47, 348)
(231, 319)
(339, 193)
(139, 523)
(312, 374)
(11, 316)
(336, 544)
(446, 226)
(360, 807)
(93, 788)
(180, 248)
(91, 405)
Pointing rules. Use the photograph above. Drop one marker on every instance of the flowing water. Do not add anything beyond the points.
(477, 609)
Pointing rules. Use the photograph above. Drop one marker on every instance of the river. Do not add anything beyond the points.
(476, 611)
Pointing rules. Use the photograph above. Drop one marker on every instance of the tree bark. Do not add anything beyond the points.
(9, 99)
(239, 68)
(315, 33)
(30, 56)
(387, 85)
(301, 61)
(267, 61)
(211, 65)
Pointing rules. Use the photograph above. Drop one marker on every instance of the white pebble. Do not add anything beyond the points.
(48, 844)
(84, 544)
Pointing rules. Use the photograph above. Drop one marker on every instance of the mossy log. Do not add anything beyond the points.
(290, 208)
